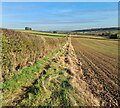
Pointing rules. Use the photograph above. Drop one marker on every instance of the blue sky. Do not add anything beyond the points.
(59, 15)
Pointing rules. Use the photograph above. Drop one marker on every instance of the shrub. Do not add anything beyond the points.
(54, 31)
(118, 36)
(28, 28)
(113, 36)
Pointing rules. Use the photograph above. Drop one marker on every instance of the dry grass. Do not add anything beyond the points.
(23, 49)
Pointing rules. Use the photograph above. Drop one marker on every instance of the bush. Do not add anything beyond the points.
(106, 34)
(118, 36)
(113, 36)
(54, 31)
(110, 35)
(28, 28)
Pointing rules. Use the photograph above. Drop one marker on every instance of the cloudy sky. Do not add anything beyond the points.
(59, 16)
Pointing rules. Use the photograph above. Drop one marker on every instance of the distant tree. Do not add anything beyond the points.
(113, 36)
(54, 31)
(103, 34)
(28, 28)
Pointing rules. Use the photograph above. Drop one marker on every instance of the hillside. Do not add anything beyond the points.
(98, 29)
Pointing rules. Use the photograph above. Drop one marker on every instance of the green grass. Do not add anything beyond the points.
(54, 92)
(24, 74)
(52, 36)
(49, 35)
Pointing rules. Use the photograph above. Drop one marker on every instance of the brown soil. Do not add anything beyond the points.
(100, 73)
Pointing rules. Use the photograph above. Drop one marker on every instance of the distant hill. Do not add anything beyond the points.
(98, 29)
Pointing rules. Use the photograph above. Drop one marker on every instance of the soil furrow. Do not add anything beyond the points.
(99, 74)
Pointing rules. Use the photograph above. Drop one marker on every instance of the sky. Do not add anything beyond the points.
(59, 15)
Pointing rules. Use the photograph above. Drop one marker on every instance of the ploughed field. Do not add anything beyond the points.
(42, 69)
(100, 67)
